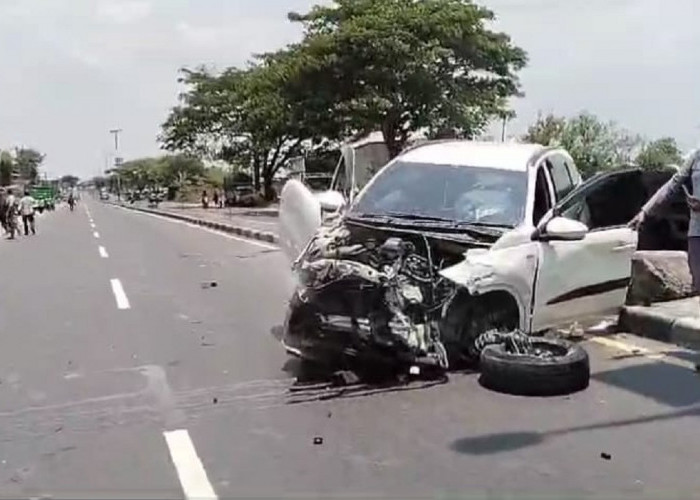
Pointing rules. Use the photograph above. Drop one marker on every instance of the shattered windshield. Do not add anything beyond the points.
(428, 191)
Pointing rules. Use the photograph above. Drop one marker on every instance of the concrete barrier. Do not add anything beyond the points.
(246, 232)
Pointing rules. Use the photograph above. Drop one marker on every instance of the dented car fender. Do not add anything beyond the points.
(510, 266)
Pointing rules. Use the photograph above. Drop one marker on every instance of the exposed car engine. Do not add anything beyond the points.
(384, 293)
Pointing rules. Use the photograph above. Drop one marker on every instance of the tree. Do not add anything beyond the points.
(70, 180)
(404, 67)
(660, 153)
(593, 144)
(239, 116)
(27, 162)
(547, 130)
(100, 182)
(6, 168)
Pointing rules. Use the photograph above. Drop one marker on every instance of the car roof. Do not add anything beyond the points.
(504, 155)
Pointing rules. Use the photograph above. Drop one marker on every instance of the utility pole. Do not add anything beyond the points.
(117, 161)
(115, 132)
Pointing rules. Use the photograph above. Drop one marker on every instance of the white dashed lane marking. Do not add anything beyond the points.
(190, 471)
(120, 295)
(96, 234)
(103, 252)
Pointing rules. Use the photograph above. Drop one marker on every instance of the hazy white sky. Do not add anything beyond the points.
(73, 69)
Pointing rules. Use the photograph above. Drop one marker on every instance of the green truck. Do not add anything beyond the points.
(45, 196)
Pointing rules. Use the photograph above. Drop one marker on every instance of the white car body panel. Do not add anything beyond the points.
(300, 217)
(572, 271)
(506, 156)
(509, 267)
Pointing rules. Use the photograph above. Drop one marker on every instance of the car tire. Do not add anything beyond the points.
(526, 375)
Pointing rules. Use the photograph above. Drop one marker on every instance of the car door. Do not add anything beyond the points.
(577, 280)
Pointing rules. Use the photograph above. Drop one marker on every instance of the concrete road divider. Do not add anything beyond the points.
(242, 231)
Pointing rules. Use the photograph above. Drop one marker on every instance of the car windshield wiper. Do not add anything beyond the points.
(486, 225)
(431, 218)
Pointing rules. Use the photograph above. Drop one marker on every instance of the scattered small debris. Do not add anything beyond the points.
(414, 370)
(58, 428)
(330, 414)
(209, 284)
(318, 440)
(215, 400)
(605, 456)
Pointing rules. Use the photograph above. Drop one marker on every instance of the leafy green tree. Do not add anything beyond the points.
(547, 130)
(660, 153)
(70, 180)
(593, 144)
(6, 168)
(239, 116)
(27, 162)
(404, 66)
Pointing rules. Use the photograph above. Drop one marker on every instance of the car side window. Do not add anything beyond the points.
(563, 184)
(543, 199)
(610, 202)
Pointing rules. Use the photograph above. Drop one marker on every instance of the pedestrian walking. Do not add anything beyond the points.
(27, 206)
(215, 198)
(686, 180)
(205, 199)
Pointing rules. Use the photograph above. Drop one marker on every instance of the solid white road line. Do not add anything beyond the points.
(103, 252)
(190, 471)
(96, 234)
(119, 295)
(256, 243)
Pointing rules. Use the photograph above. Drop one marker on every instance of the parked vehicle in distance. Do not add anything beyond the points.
(242, 196)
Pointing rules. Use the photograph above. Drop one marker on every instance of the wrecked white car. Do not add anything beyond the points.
(451, 245)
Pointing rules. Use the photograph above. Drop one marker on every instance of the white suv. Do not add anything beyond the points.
(452, 239)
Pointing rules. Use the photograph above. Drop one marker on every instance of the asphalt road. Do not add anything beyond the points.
(124, 373)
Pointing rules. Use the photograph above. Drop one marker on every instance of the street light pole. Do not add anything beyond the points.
(115, 132)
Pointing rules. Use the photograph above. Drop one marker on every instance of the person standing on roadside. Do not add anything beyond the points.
(686, 180)
(215, 198)
(26, 208)
(205, 199)
(3, 215)
(10, 210)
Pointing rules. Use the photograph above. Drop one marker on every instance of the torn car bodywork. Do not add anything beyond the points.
(374, 291)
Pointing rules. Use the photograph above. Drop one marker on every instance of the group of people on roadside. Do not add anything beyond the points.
(217, 198)
(11, 208)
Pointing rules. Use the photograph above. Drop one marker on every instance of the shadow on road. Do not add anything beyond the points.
(510, 441)
(667, 383)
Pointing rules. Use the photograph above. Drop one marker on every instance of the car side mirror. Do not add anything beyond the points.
(561, 229)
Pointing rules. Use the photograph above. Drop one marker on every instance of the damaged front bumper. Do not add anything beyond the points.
(370, 298)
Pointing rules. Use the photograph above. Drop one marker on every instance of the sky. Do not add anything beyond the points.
(71, 70)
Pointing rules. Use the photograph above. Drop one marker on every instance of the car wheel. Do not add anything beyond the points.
(557, 367)
(468, 317)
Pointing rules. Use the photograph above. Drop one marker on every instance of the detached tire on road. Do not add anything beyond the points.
(567, 370)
